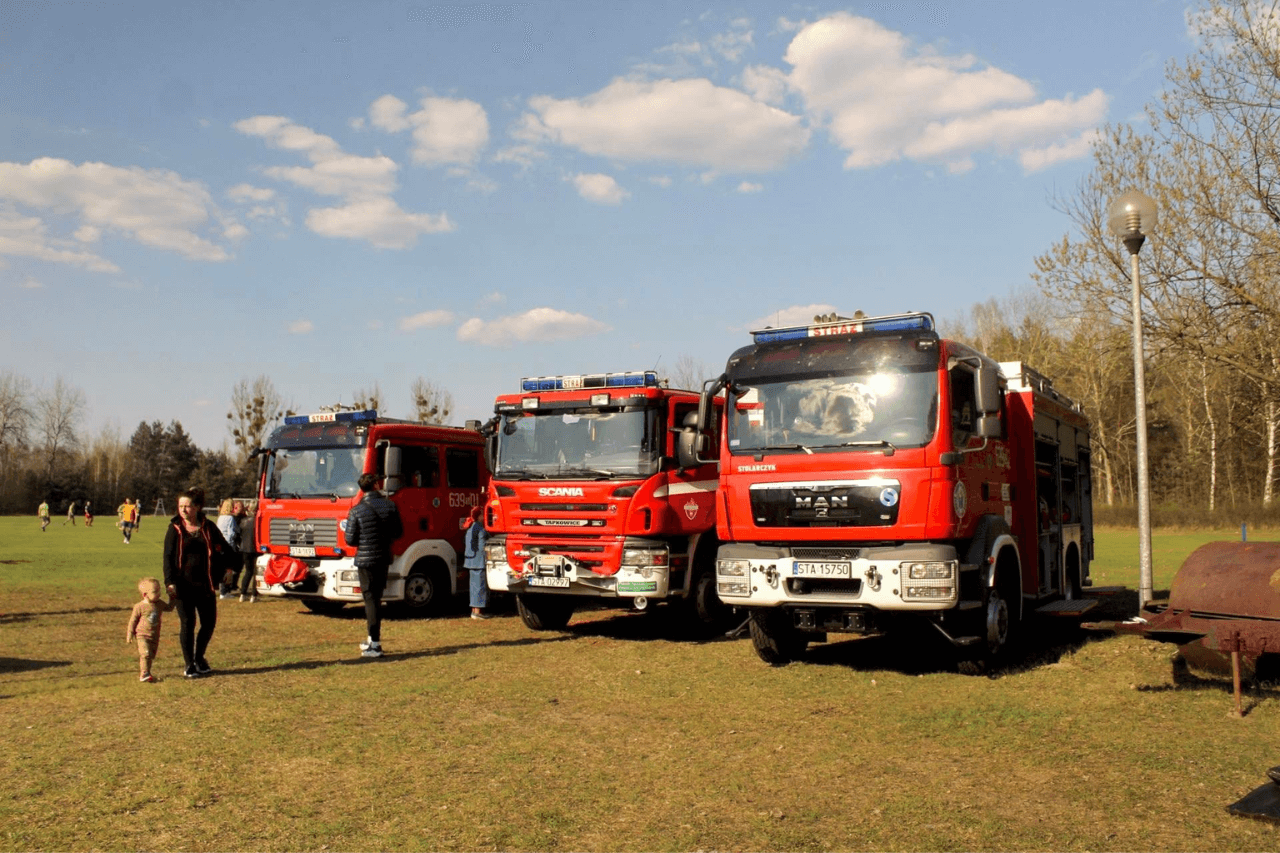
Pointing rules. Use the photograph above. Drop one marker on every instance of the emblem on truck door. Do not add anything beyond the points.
(691, 509)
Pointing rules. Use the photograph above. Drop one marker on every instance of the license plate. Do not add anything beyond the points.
(821, 570)
(301, 551)
(563, 583)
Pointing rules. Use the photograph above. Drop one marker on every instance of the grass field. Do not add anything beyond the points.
(617, 734)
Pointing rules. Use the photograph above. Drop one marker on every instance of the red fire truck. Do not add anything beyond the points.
(307, 485)
(588, 501)
(875, 477)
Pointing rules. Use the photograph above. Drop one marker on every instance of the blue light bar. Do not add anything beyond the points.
(330, 417)
(579, 381)
(914, 322)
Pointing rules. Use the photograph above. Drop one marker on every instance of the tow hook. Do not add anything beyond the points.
(873, 579)
(771, 576)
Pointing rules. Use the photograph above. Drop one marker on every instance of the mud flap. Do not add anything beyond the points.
(1263, 802)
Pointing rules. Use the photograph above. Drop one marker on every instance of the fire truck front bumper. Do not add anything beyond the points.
(913, 577)
(645, 573)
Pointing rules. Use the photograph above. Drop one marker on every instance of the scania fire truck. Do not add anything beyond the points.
(308, 484)
(588, 500)
(875, 477)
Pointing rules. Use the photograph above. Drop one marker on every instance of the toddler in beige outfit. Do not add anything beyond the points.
(144, 625)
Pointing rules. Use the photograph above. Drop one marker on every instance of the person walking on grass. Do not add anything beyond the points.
(43, 512)
(71, 514)
(372, 525)
(229, 527)
(195, 558)
(249, 553)
(473, 559)
(144, 626)
(128, 519)
(88, 514)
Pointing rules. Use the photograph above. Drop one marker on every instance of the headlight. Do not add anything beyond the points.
(643, 557)
(730, 588)
(349, 575)
(920, 571)
(733, 568)
(496, 553)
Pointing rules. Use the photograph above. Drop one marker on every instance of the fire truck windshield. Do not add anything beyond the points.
(580, 444)
(830, 394)
(296, 472)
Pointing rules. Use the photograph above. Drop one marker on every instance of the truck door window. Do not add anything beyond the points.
(964, 410)
(421, 466)
(462, 467)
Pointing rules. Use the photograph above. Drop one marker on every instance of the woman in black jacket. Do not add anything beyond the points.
(196, 559)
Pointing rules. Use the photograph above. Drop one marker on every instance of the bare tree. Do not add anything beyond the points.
(255, 407)
(15, 418)
(362, 399)
(432, 404)
(58, 413)
(691, 372)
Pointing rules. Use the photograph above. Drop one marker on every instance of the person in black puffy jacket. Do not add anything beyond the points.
(372, 525)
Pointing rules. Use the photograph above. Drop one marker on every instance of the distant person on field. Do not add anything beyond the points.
(71, 514)
(88, 514)
(144, 625)
(43, 512)
(128, 519)
(473, 559)
(249, 553)
(229, 527)
(195, 557)
(372, 525)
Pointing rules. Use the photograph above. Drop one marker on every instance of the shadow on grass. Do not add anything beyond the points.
(356, 660)
(6, 618)
(665, 623)
(24, 665)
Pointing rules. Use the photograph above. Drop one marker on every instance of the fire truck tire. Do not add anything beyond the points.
(776, 641)
(708, 610)
(997, 629)
(426, 589)
(323, 606)
(544, 612)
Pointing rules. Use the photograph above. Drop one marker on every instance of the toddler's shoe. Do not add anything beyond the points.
(148, 678)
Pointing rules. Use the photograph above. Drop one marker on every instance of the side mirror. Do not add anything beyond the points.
(392, 476)
(988, 426)
(689, 445)
(986, 391)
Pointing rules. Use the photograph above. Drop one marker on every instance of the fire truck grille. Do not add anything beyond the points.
(321, 532)
(853, 505)
(826, 553)
(800, 587)
(564, 507)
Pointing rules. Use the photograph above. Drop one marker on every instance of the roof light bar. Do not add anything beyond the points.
(329, 417)
(575, 382)
(911, 322)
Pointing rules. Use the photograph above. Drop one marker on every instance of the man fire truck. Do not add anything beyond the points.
(307, 485)
(875, 477)
(588, 501)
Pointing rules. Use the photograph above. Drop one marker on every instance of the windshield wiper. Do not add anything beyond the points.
(595, 472)
(887, 446)
(787, 447)
(521, 474)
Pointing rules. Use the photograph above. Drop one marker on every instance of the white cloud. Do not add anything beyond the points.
(248, 192)
(154, 207)
(796, 315)
(663, 181)
(364, 184)
(27, 237)
(883, 99)
(494, 298)
(446, 131)
(602, 189)
(1035, 159)
(378, 220)
(538, 324)
(750, 187)
(301, 327)
(30, 283)
(691, 122)
(426, 320)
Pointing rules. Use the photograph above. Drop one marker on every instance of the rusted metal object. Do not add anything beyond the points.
(1223, 610)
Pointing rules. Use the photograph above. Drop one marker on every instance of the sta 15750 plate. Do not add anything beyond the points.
(821, 570)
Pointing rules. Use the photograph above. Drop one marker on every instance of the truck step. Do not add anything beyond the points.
(1077, 607)
(969, 605)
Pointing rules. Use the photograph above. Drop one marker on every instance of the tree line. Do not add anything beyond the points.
(46, 456)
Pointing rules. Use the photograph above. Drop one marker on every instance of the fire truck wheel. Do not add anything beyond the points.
(995, 630)
(544, 612)
(776, 641)
(710, 611)
(426, 589)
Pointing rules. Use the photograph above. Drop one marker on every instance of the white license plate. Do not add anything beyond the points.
(301, 551)
(821, 570)
(563, 583)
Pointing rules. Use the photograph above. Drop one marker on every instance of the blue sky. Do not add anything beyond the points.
(338, 195)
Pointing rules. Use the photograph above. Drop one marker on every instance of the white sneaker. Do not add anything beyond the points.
(373, 651)
(253, 598)
(244, 598)
(367, 644)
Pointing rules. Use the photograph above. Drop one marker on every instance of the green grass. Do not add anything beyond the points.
(615, 735)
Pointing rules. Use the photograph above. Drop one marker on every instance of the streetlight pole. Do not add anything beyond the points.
(1131, 217)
